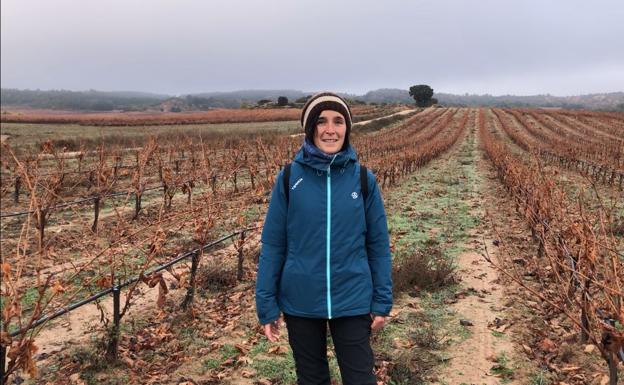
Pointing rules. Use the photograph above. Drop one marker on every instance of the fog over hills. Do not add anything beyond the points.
(93, 100)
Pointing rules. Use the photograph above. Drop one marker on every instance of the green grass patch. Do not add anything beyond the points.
(502, 368)
(277, 369)
(540, 377)
(498, 334)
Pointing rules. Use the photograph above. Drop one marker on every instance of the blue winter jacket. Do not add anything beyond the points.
(323, 255)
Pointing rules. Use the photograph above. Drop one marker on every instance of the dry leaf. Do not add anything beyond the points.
(57, 288)
(527, 349)
(278, 349)
(547, 345)
(400, 343)
(162, 291)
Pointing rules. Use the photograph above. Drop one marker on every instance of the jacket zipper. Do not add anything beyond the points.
(328, 254)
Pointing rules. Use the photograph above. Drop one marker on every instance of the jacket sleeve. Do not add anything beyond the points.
(272, 255)
(378, 249)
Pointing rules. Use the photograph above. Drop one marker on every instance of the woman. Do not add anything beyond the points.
(325, 255)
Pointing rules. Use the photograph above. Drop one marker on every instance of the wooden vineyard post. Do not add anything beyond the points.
(96, 213)
(213, 184)
(253, 182)
(584, 317)
(190, 293)
(113, 344)
(189, 191)
(137, 203)
(41, 222)
(165, 193)
(3, 352)
(18, 182)
(613, 368)
(241, 256)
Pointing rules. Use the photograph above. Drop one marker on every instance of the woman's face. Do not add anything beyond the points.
(330, 132)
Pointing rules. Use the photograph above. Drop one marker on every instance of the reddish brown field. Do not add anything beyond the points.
(156, 118)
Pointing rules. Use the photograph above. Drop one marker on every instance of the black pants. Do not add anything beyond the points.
(308, 340)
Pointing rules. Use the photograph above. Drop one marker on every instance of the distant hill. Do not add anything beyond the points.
(609, 101)
(80, 100)
(141, 101)
(387, 95)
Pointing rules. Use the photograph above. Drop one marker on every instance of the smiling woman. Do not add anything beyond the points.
(330, 132)
(325, 256)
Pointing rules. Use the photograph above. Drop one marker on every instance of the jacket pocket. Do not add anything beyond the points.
(301, 291)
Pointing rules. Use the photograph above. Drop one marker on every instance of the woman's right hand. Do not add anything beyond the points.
(271, 330)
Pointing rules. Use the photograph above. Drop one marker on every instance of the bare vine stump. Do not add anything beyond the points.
(137, 205)
(96, 213)
(241, 257)
(113, 343)
(18, 182)
(41, 222)
(190, 293)
(613, 369)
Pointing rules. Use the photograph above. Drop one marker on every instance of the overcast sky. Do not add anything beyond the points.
(522, 47)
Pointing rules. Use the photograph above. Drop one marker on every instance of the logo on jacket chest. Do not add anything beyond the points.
(354, 195)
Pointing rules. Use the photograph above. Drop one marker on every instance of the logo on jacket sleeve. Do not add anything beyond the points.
(296, 184)
(354, 195)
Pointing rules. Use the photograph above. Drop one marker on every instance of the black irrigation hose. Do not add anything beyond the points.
(126, 283)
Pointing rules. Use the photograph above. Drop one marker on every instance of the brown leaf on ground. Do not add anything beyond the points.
(278, 349)
(547, 345)
(244, 360)
(162, 292)
(527, 349)
(58, 288)
(400, 343)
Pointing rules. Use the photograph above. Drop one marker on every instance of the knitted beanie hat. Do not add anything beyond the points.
(317, 104)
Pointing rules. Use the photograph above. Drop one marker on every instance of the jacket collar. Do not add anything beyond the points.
(311, 156)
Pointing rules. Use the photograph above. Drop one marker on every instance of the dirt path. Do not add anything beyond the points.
(404, 112)
(487, 355)
(483, 357)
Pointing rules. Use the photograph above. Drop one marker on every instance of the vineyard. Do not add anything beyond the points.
(159, 236)
(165, 118)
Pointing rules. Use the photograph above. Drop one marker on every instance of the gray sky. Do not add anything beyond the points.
(562, 47)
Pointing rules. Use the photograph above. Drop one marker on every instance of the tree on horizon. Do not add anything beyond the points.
(422, 94)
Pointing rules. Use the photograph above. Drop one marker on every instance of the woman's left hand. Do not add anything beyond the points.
(378, 322)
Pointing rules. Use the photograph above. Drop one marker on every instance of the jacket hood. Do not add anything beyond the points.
(311, 156)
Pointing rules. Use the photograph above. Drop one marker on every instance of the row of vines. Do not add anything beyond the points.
(578, 263)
